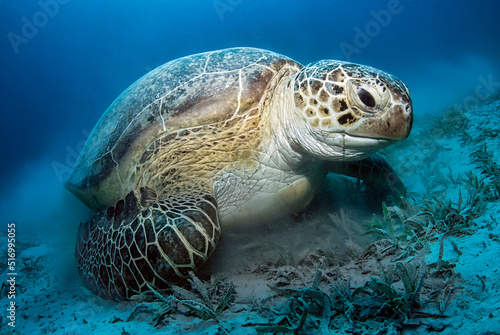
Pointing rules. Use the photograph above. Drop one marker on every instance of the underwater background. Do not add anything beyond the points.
(62, 63)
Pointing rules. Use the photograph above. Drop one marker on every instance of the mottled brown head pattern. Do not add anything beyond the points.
(338, 97)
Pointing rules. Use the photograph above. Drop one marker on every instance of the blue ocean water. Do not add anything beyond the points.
(62, 62)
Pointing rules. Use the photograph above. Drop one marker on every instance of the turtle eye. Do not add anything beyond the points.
(366, 97)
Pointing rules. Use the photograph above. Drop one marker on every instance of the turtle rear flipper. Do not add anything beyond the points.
(142, 240)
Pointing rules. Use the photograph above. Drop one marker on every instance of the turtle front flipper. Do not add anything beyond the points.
(375, 170)
(144, 240)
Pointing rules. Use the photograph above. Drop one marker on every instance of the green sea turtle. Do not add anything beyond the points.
(216, 139)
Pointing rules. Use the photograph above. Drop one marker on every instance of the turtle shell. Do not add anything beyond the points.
(201, 89)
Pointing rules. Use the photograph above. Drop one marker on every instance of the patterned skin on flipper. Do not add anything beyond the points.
(143, 240)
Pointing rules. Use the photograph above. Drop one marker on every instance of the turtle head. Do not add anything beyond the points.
(349, 111)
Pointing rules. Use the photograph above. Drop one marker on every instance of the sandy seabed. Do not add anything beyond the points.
(423, 272)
